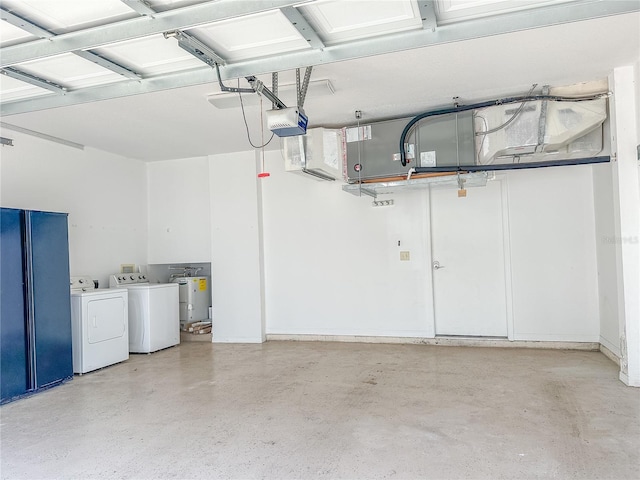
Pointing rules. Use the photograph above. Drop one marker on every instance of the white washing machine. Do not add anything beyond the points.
(100, 326)
(154, 318)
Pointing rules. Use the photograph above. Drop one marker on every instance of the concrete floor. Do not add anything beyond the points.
(331, 410)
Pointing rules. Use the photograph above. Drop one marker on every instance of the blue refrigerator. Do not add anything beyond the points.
(35, 307)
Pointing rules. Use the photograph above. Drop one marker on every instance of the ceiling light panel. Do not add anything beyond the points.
(451, 11)
(62, 16)
(338, 21)
(13, 89)
(11, 35)
(70, 71)
(149, 56)
(259, 35)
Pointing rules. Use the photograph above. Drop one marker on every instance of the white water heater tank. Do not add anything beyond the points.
(194, 297)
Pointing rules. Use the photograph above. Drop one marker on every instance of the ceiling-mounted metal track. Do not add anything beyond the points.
(33, 80)
(176, 19)
(24, 24)
(210, 12)
(140, 6)
(108, 64)
(301, 24)
(427, 14)
(42, 32)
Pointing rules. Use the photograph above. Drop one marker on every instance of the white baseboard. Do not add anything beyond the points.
(609, 354)
(446, 341)
(238, 340)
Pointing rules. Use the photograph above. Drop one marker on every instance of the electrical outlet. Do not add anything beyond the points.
(405, 256)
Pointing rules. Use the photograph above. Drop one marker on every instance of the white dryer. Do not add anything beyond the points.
(100, 326)
(154, 318)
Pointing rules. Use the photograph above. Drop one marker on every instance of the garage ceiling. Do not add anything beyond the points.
(110, 74)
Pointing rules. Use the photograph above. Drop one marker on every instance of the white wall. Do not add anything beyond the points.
(179, 214)
(104, 194)
(332, 261)
(332, 264)
(624, 105)
(606, 256)
(236, 249)
(553, 254)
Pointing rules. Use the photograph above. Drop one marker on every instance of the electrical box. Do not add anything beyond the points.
(373, 150)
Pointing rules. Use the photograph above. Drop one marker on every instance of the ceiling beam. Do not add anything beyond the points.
(176, 19)
(108, 64)
(303, 27)
(24, 24)
(202, 75)
(37, 30)
(140, 6)
(33, 80)
(427, 14)
(558, 14)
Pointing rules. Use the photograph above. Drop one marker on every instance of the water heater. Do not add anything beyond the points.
(195, 298)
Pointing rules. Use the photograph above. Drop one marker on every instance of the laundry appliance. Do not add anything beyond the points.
(100, 325)
(154, 317)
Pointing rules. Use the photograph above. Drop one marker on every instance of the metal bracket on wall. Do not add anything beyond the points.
(6, 141)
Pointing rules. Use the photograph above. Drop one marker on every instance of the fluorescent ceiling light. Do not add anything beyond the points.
(317, 88)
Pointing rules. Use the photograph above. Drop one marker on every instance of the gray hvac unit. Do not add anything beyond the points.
(373, 150)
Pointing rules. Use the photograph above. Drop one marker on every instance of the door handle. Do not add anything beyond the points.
(436, 265)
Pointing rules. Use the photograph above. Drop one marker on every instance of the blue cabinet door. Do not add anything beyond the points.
(51, 302)
(13, 332)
